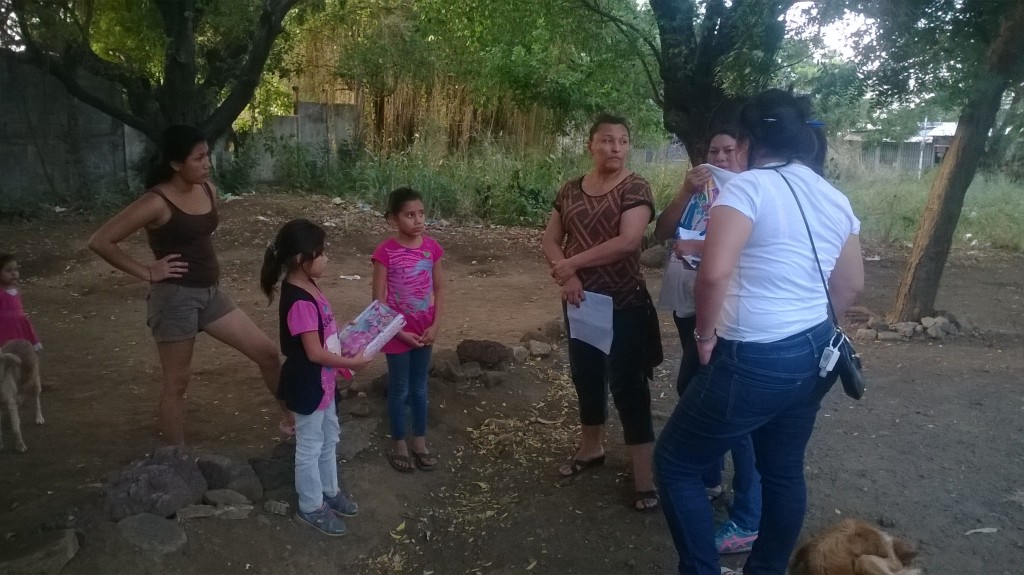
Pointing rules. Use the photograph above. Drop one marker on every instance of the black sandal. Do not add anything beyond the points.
(578, 466)
(401, 463)
(425, 461)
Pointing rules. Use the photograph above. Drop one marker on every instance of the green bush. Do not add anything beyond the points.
(890, 206)
(495, 184)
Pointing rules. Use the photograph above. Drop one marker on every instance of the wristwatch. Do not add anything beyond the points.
(702, 339)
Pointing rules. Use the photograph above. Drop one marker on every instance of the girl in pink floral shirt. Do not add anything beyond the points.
(407, 277)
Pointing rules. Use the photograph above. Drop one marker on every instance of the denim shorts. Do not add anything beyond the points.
(178, 313)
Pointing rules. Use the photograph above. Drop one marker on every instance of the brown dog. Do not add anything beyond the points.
(854, 547)
(19, 376)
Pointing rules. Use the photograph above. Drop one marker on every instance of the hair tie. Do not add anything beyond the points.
(816, 123)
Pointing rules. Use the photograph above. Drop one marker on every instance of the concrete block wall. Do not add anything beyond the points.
(53, 148)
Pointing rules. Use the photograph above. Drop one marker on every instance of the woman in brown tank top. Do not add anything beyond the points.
(179, 213)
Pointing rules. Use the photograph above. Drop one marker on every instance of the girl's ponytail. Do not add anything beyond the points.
(271, 272)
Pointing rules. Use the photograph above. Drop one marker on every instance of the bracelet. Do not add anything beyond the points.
(702, 339)
(150, 270)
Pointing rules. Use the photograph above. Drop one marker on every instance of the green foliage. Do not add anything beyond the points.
(890, 205)
(384, 46)
(529, 53)
(490, 183)
(916, 49)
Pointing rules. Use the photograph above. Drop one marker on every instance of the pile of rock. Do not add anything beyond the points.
(938, 328)
(488, 361)
(150, 497)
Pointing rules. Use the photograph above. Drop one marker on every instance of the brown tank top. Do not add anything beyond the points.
(191, 236)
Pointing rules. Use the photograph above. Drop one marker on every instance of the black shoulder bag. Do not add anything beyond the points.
(846, 361)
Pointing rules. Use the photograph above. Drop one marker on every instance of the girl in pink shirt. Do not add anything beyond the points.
(407, 277)
(14, 324)
(309, 342)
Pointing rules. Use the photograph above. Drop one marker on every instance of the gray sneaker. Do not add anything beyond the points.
(342, 505)
(324, 520)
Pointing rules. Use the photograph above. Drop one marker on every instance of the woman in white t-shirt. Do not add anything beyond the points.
(762, 324)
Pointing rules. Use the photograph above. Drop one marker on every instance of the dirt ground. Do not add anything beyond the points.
(934, 450)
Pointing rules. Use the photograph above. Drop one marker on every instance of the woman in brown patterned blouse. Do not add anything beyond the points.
(592, 243)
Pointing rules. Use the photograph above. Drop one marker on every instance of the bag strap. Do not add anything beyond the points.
(814, 250)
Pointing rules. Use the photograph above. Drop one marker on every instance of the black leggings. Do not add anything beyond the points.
(690, 362)
(622, 372)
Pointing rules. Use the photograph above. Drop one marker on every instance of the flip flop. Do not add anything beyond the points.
(401, 463)
(642, 497)
(578, 466)
(423, 462)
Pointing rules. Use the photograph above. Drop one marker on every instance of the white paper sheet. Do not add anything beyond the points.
(592, 321)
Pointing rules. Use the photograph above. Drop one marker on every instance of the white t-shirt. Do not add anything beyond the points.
(775, 291)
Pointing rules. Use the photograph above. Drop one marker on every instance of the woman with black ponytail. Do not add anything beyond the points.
(762, 327)
(179, 213)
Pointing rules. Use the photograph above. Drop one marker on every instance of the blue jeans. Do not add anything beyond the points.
(745, 510)
(770, 391)
(746, 483)
(407, 385)
(316, 461)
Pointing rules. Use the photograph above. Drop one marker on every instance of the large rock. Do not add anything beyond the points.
(889, 336)
(489, 354)
(865, 334)
(471, 370)
(224, 473)
(152, 533)
(905, 328)
(189, 512)
(45, 554)
(233, 512)
(159, 484)
(520, 354)
(276, 507)
(540, 349)
(654, 256)
(273, 473)
(220, 497)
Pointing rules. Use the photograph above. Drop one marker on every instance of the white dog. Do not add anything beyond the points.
(19, 376)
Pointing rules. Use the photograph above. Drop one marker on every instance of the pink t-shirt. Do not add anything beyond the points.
(302, 318)
(410, 289)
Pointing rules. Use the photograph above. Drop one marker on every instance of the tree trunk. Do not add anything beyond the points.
(179, 98)
(919, 287)
(694, 103)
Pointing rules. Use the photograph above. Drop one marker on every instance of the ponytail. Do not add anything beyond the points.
(176, 143)
(159, 172)
(271, 272)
